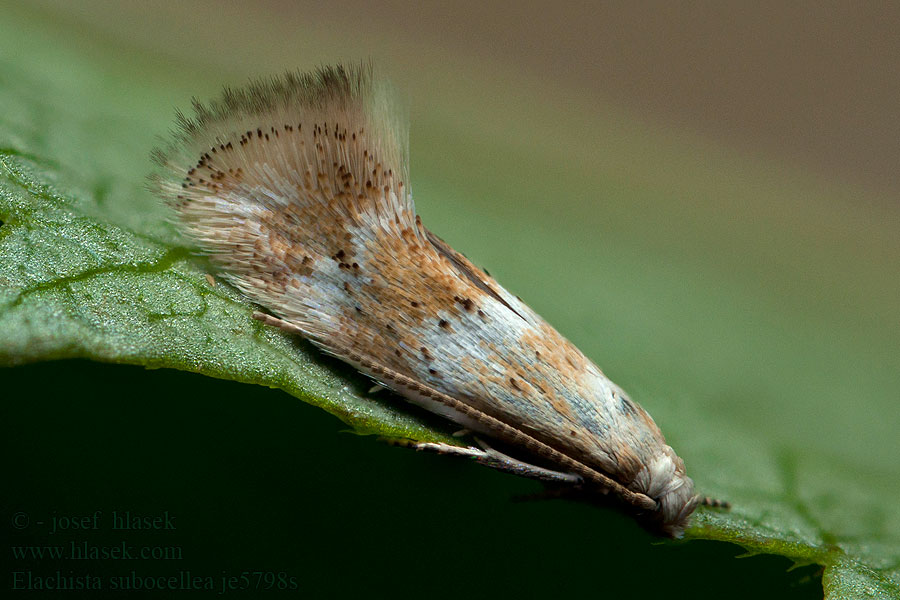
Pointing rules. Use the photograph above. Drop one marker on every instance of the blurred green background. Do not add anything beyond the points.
(704, 202)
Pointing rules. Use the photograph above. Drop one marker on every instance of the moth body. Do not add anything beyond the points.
(298, 190)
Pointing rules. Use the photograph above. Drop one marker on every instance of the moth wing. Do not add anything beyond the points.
(297, 189)
(270, 179)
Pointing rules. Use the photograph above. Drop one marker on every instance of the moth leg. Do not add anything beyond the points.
(503, 462)
(448, 449)
(715, 503)
(495, 459)
(276, 322)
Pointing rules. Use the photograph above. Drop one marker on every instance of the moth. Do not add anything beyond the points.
(297, 188)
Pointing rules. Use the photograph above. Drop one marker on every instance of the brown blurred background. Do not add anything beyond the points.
(813, 84)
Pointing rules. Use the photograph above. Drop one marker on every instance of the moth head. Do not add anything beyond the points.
(665, 481)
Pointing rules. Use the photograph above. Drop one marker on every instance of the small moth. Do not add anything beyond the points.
(298, 189)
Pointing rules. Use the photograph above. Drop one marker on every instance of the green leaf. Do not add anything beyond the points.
(77, 286)
(91, 269)
(758, 327)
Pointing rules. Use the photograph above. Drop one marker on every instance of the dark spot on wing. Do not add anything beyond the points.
(626, 407)
(461, 264)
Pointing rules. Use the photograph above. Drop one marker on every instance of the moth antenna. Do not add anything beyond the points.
(715, 503)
